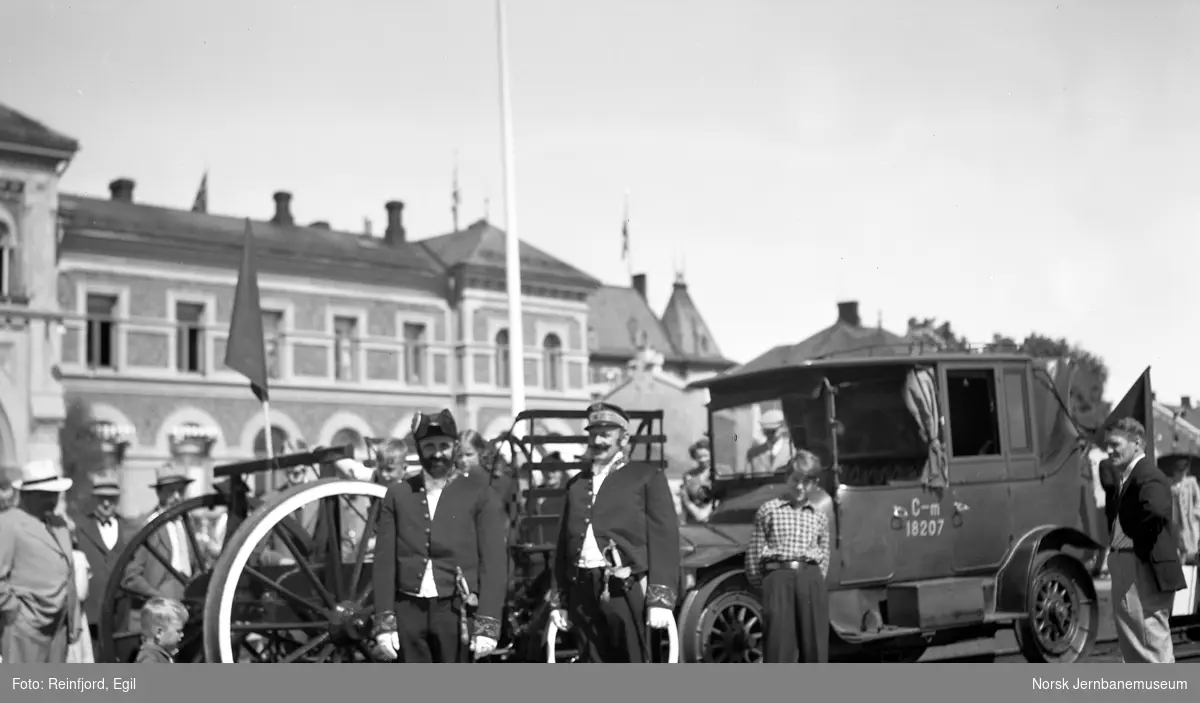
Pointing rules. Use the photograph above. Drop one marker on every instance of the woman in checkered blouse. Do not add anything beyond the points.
(788, 558)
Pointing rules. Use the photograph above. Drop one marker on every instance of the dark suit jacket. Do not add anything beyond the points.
(1144, 509)
(467, 532)
(102, 560)
(147, 576)
(634, 509)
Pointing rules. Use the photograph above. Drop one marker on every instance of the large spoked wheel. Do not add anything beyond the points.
(118, 634)
(727, 628)
(1064, 612)
(294, 581)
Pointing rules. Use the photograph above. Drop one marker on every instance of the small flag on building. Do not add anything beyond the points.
(245, 349)
(625, 232)
(455, 196)
(200, 204)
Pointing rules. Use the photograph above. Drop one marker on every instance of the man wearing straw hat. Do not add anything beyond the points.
(774, 453)
(148, 576)
(616, 563)
(102, 536)
(39, 603)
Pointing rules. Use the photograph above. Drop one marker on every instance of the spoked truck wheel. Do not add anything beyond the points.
(725, 626)
(315, 604)
(118, 643)
(1064, 613)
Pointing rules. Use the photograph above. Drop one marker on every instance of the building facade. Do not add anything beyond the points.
(32, 160)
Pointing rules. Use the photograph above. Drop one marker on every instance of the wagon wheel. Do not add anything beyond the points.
(314, 607)
(118, 640)
(727, 628)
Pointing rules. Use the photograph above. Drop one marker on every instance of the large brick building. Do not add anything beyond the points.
(362, 330)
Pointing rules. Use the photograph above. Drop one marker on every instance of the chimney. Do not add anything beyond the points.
(639, 284)
(848, 313)
(320, 224)
(283, 209)
(394, 234)
(121, 190)
(1186, 402)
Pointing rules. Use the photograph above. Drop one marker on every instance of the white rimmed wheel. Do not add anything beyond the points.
(118, 640)
(293, 583)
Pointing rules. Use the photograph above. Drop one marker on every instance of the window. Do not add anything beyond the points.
(974, 425)
(1017, 400)
(273, 341)
(503, 379)
(8, 261)
(101, 331)
(345, 343)
(552, 360)
(415, 346)
(189, 345)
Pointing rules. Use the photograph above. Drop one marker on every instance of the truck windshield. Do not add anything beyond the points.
(873, 421)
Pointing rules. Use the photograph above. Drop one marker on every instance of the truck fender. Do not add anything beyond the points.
(1015, 573)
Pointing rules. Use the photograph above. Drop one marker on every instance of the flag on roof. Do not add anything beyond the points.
(200, 204)
(245, 349)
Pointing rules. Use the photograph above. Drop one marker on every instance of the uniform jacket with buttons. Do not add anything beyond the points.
(633, 509)
(467, 532)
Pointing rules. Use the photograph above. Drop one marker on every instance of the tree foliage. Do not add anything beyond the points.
(82, 452)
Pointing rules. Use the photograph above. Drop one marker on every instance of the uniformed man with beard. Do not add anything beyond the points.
(616, 564)
(441, 545)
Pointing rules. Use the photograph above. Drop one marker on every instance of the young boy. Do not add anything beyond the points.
(162, 629)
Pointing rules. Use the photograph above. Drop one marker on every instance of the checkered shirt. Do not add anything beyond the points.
(786, 533)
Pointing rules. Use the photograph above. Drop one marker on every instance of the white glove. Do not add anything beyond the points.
(558, 616)
(352, 469)
(389, 644)
(484, 646)
(660, 618)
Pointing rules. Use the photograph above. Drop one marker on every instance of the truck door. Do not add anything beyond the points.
(979, 512)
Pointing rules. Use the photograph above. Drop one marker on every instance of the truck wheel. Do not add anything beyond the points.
(1063, 611)
(729, 628)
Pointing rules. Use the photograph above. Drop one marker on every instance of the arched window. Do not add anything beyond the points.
(552, 361)
(8, 261)
(503, 379)
(272, 480)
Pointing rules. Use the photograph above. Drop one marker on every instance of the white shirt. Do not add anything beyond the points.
(590, 555)
(178, 541)
(108, 532)
(1119, 539)
(433, 493)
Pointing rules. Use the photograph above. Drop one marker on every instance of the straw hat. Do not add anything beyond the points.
(170, 475)
(43, 475)
(771, 420)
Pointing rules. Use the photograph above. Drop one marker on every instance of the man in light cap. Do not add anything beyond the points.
(440, 552)
(102, 536)
(616, 562)
(39, 601)
(776, 451)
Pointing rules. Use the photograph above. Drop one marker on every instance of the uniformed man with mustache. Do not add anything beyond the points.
(441, 546)
(616, 565)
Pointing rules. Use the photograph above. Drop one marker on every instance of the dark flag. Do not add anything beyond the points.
(200, 204)
(625, 234)
(245, 350)
(1138, 403)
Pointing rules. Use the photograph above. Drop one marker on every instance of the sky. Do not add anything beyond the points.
(1010, 166)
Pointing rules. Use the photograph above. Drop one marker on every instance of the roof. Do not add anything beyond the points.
(483, 245)
(617, 317)
(1177, 434)
(152, 233)
(686, 328)
(20, 129)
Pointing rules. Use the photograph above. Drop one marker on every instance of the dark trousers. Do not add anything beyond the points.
(429, 630)
(607, 632)
(796, 616)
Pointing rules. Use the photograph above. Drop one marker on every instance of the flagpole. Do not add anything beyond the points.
(627, 243)
(266, 406)
(512, 244)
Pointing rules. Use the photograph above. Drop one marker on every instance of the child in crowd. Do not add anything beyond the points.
(1185, 494)
(162, 629)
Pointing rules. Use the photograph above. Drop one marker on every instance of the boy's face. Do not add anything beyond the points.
(169, 634)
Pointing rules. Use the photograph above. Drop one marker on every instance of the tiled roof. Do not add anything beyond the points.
(147, 232)
(686, 327)
(17, 128)
(482, 245)
(617, 316)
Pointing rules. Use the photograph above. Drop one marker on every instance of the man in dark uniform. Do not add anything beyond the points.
(616, 565)
(440, 532)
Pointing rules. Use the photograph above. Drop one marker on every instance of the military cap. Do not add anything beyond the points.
(606, 415)
(441, 425)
